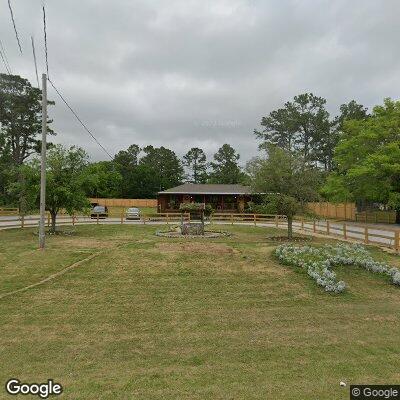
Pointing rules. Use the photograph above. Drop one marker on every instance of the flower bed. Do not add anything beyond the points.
(318, 262)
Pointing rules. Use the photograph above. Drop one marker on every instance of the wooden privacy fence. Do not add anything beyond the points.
(124, 202)
(8, 211)
(376, 216)
(346, 211)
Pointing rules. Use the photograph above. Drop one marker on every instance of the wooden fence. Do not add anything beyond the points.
(244, 217)
(385, 237)
(344, 211)
(8, 211)
(376, 216)
(348, 212)
(125, 202)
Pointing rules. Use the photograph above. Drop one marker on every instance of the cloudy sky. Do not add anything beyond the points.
(183, 73)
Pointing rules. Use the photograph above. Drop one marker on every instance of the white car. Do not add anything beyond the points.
(132, 213)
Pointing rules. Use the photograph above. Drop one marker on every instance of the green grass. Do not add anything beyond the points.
(158, 318)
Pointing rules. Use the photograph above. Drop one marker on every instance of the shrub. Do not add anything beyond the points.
(318, 262)
(208, 210)
(196, 207)
(191, 207)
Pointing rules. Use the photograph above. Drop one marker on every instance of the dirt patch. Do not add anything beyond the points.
(209, 248)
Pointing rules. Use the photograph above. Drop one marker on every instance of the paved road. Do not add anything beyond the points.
(379, 234)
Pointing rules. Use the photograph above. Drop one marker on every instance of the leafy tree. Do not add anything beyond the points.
(102, 180)
(225, 168)
(145, 182)
(165, 167)
(279, 128)
(65, 181)
(126, 162)
(129, 157)
(300, 126)
(368, 159)
(21, 122)
(27, 187)
(5, 173)
(195, 160)
(142, 177)
(288, 181)
(20, 117)
(326, 146)
(350, 111)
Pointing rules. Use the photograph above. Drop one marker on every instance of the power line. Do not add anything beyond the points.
(79, 120)
(4, 62)
(4, 58)
(15, 27)
(58, 92)
(34, 60)
(45, 39)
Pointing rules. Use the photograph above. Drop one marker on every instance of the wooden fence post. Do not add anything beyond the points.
(302, 224)
(231, 219)
(344, 231)
(97, 219)
(314, 227)
(22, 221)
(255, 219)
(366, 240)
(276, 221)
(327, 227)
(73, 219)
(122, 218)
(396, 240)
(167, 219)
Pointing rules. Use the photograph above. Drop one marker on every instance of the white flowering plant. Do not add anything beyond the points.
(319, 261)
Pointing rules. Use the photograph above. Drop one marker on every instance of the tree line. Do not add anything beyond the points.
(309, 156)
(305, 154)
(132, 173)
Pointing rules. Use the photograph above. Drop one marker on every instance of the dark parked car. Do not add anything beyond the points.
(99, 211)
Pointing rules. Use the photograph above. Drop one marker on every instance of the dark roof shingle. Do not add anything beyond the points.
(193, 188)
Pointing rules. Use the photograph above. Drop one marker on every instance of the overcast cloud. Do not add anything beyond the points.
(183, 73)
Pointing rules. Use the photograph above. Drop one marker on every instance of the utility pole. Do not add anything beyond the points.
(42, 234)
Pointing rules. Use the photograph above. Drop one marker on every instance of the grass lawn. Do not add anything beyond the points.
(158, 318)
